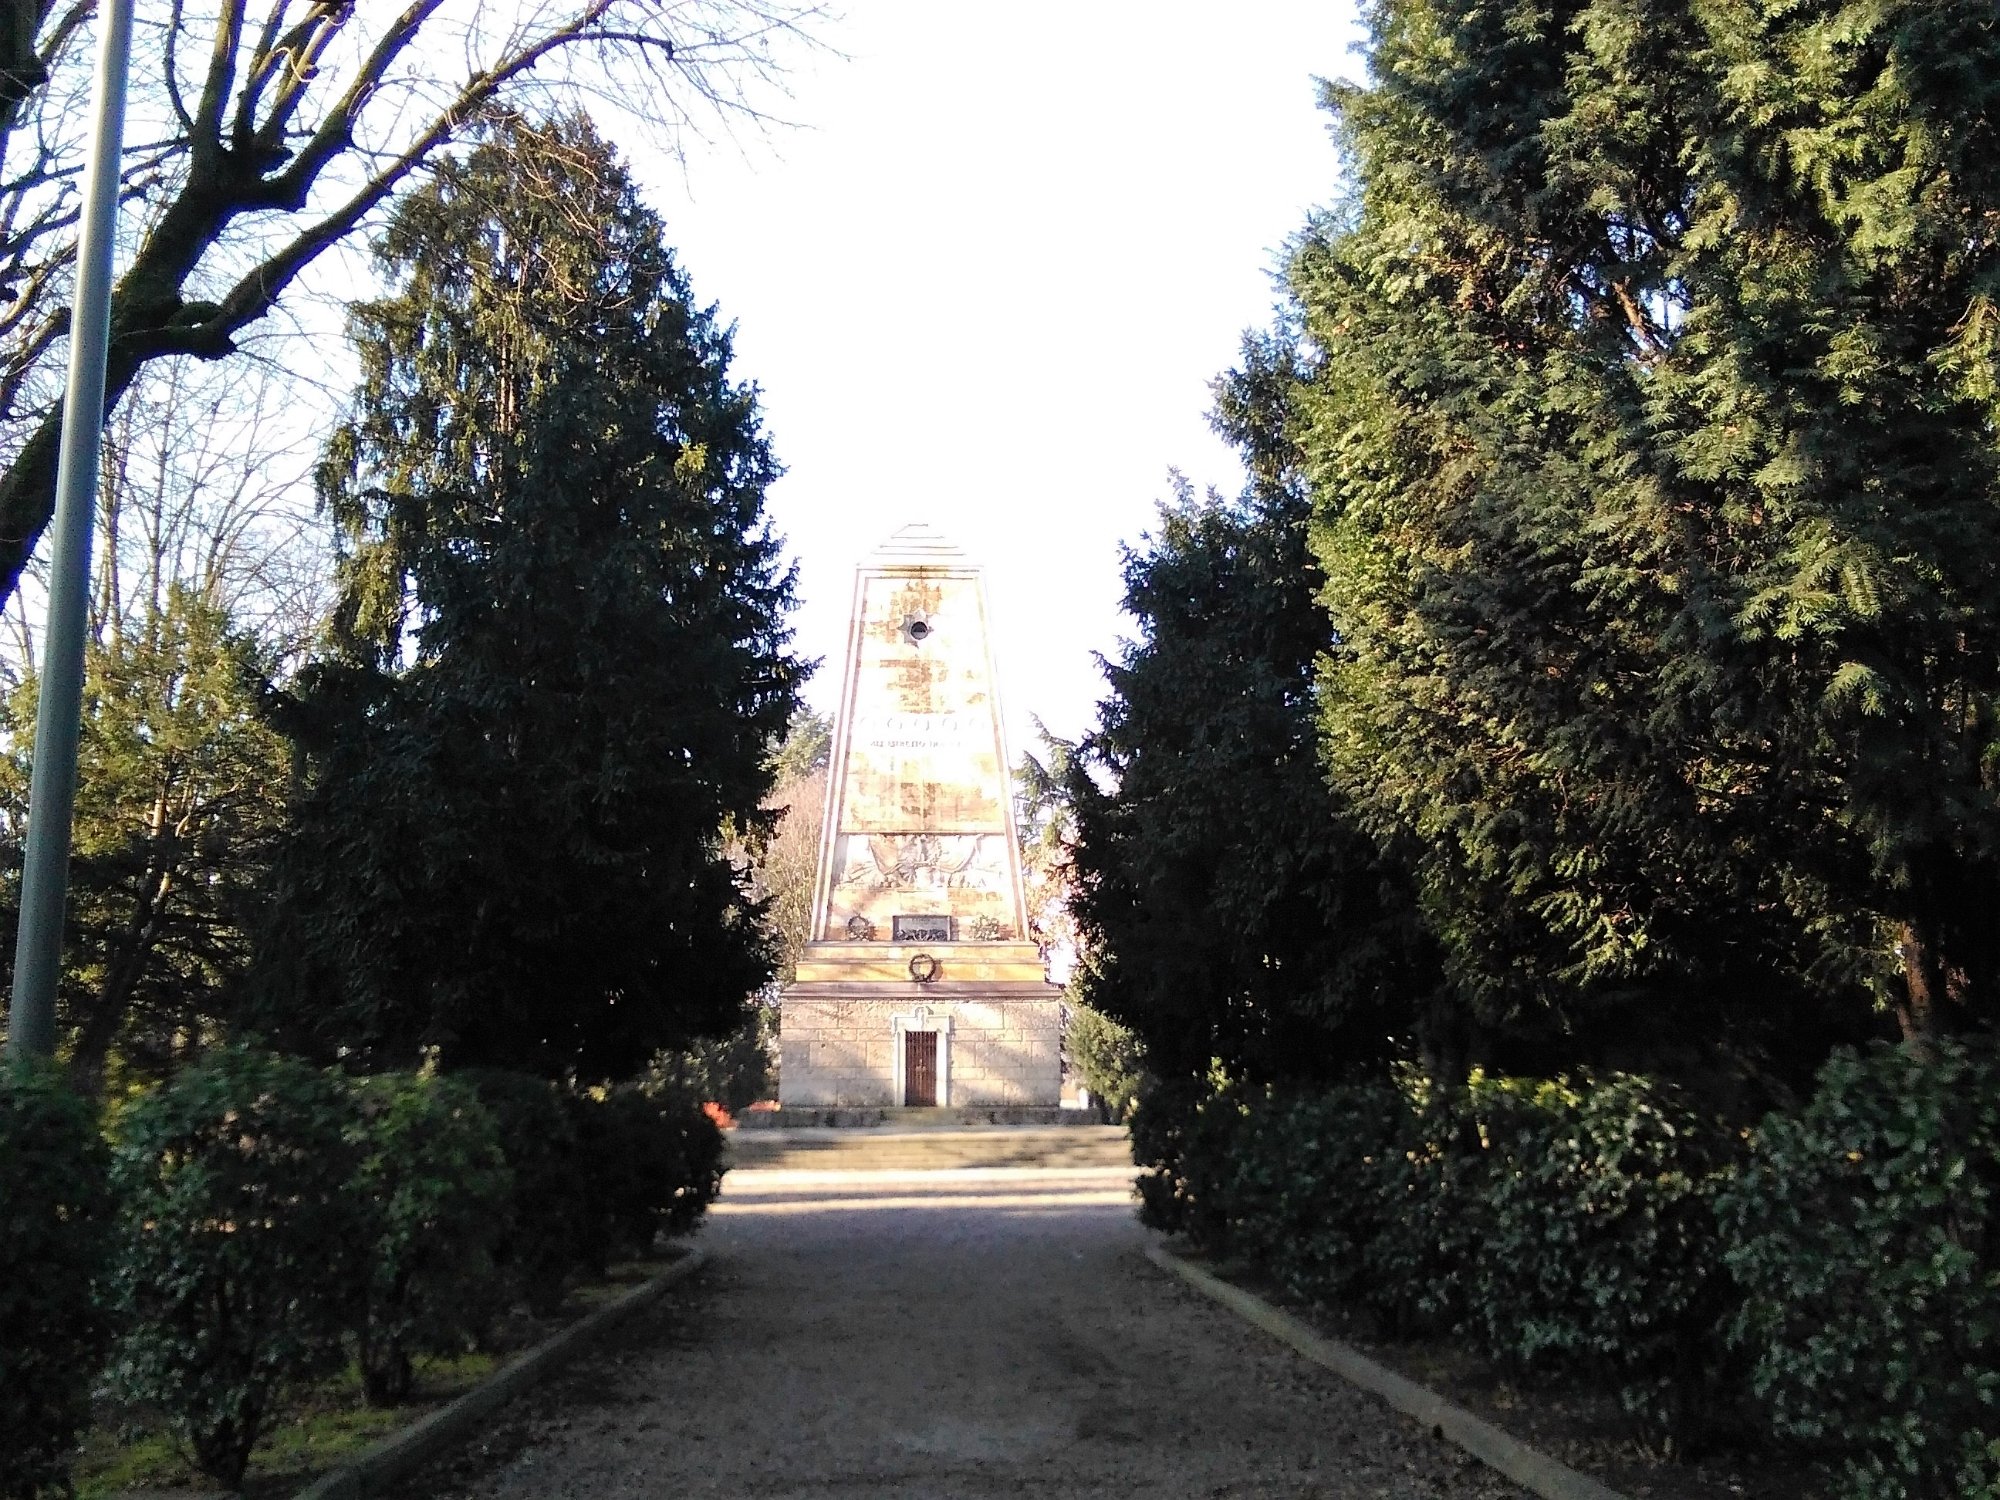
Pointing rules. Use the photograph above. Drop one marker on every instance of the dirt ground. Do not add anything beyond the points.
(972, 1333)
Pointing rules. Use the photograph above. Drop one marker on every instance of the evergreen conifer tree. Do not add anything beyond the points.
(180, 805)
(1228, 906)
(561, 650)
(1651, 422)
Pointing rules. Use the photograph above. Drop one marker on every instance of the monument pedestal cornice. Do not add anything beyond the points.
(960, 965)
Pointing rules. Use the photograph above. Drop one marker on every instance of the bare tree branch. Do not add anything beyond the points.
(23, 65)
(303, 123)
(221, 76)
(173, 73)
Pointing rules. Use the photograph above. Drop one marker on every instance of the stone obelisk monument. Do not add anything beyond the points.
(919, 987)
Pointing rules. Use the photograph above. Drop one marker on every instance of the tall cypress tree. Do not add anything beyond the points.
(1652, 440)
(560, 654)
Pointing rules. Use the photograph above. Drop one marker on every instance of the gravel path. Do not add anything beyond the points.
(983, 1332)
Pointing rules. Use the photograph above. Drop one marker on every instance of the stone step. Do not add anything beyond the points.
(853, 1116)
(903, 1150)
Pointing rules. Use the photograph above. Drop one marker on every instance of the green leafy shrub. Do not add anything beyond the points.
(1295, 1181)
(1561, 1230)
(55, 1241)
(734, 1071)
(1434, 1181)
(238, 1247)
(545, 1233)
(1207, 1189)
(434, 1189)
(1162, 1128)
(1305, 1192)
(652, 1164)
(1292, 1180)
(1863, 1235)
(1110, 1059)
(1602, 1253)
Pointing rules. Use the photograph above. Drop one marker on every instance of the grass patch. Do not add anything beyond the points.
(320, 1429)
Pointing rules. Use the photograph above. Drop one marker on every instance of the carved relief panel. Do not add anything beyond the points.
(922, 824)
(880, 876)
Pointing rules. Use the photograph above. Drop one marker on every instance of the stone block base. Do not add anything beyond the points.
(848, 1053)
(857, 1117)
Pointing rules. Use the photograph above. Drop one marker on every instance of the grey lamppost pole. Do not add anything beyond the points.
(31, 1015)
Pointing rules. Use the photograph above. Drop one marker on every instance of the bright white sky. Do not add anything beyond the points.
(987, 280)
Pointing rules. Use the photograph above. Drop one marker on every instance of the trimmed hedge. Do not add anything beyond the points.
(238, 1260)
(546, 1231)
(1307, 1181)
(1558, 1227)
(1865, 1235)
(55, 1243)
(257, 1220)
(1833, 1277)
(433, 1189)
(1602, 1255)
(1162, 1133)
(1434, 1179)
(651, 1164)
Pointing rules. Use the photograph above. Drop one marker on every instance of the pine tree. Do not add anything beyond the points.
(561, 643)
(1651, 431)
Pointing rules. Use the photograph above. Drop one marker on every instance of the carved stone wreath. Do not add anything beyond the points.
(923, 968)
(860, 929)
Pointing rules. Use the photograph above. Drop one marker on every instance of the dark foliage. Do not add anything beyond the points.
(1866, 1237)
(55, 1246)
(433, 1190)
(544, 1235)
(1599, 1253)
(1227, 906)
(734, 1070)
(1828, 1281)
(651, 1162)
(238, 1254)
(562, 645)
(1160, 1130)
(1642, 391)
(1562, 1230)
(1649, 417)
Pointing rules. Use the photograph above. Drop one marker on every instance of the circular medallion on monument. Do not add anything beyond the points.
(923, 968)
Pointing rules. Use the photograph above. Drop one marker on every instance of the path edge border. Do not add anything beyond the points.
(405, 1450)
(1500, 1451)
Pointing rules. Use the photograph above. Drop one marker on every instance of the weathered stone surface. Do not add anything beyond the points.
(855, 1064)
(921, 830)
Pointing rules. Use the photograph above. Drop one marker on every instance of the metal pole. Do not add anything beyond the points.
(31, 1015)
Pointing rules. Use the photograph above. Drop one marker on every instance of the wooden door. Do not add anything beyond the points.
(920, 1058)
